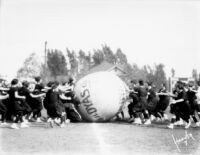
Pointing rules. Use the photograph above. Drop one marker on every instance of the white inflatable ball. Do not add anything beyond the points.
(102, 96)
(198, 95)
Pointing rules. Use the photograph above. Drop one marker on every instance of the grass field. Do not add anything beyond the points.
(118, 138)
(96, 138)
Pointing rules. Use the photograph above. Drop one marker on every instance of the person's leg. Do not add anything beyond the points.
(175, 117)
(50, 116)
(138, 116)
(19, 117)
(35, 111)
(39, 109)
(158, 114)
(63, 119)
(3, 117)
(194, 117)
(147, 117)
(122, 113)
(28, 112)
(60, 110)
(36, 108)
(130, 110)
(38, 115)
(3, 111)
(186, 118)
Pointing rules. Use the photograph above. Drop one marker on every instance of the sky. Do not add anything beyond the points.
(148, 32)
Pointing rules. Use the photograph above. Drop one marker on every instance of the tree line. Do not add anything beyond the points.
(77, 64)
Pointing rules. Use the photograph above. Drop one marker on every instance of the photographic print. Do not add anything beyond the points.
(84, 77)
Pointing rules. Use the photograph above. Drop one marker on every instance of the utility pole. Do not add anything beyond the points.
(45, 62)
(45, 54)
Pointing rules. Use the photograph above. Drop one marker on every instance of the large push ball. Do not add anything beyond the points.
(102, 95)
(198, 95)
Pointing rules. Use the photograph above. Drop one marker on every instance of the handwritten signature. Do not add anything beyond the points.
(184, 140)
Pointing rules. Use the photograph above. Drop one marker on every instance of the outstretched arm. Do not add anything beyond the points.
(63, 97)
(4, 89)
(36, 96)
(177, 101)
(3, 97)
(18, 96)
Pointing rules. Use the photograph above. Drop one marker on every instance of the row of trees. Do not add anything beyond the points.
(77, 64)
(196, 76)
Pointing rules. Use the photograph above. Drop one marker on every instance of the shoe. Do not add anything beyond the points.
(166, 117)
(51, 123)
(148, 122)
(187, 125)
(3, 123)
(27, 122)
(49, 120)
(131, 119)
(158, 120)
(57, 120)
(62, 125)
(197, 124)
(14, 118)
(67, 121)
(180, 122)
(152, 118)
(29, 117)
(176, 123)
(32, 120)
(38, 120)
(14, 126)
(24, 125)
(171, 126)
(138, 121)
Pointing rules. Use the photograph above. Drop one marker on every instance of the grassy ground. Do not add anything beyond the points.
(116, 138)
(97, 138)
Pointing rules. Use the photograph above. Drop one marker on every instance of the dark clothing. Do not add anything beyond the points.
(53, 104)
(3, 111)
(181, 109)
(142, 96)
(11, 93)
(152, 101)
(180, 112)
(182, 95)
(133, 106)
(25, 92)
(163, 101)
(191, 96)
(14, 105)
(37, 102)
(38, 88)
(73, 115)
(141, 107)
(134, 98)
(69, 106)
(37, 91)
(193, 104)
(68, 95)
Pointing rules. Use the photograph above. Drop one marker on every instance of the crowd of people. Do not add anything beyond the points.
(147, 104)
(23, 102)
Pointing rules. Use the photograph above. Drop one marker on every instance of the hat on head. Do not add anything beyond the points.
(14, 81)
